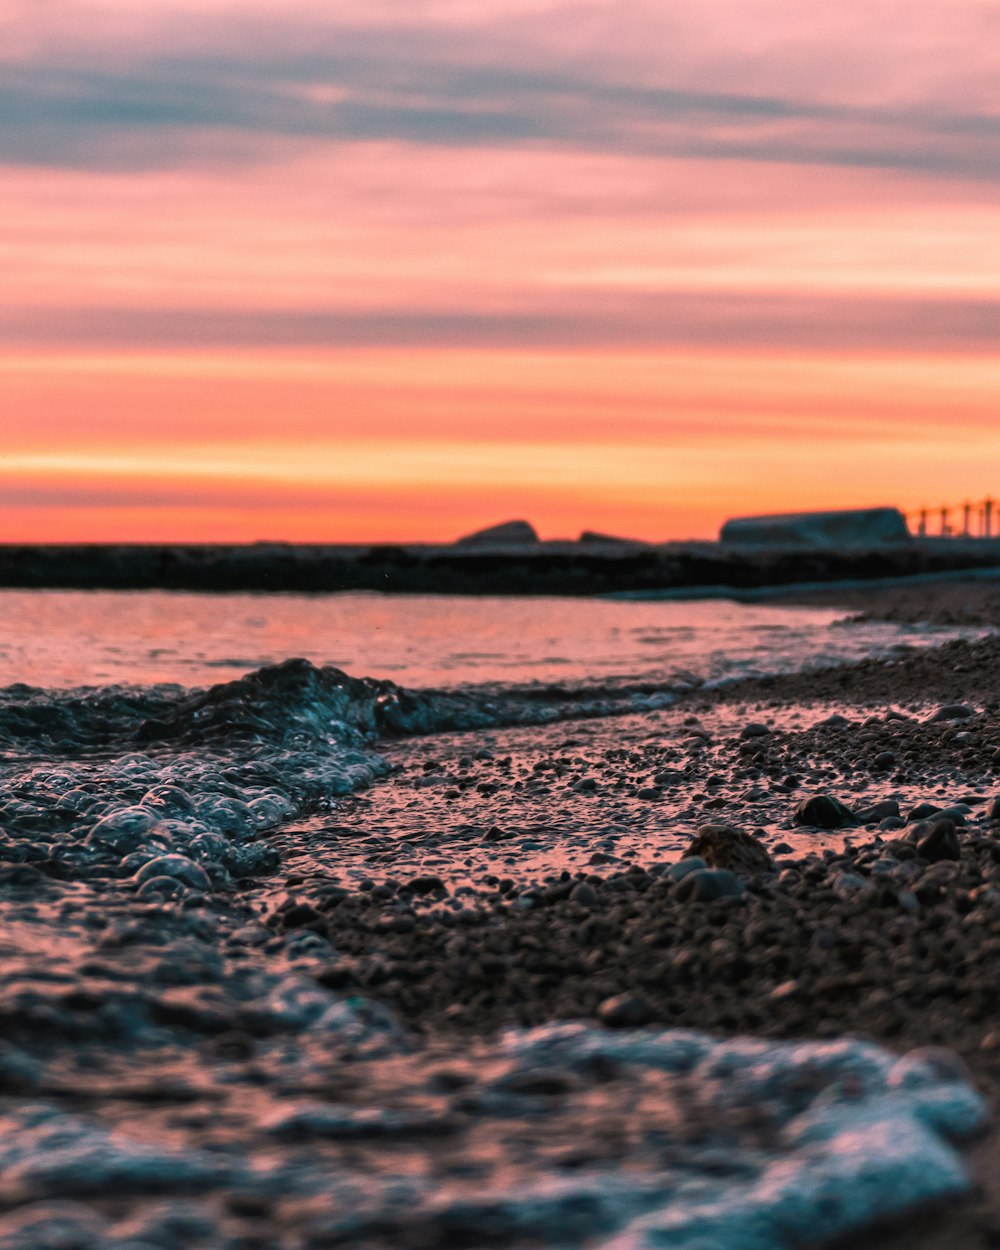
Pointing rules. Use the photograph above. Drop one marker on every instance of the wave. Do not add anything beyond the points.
(114, 779)
(295, 703)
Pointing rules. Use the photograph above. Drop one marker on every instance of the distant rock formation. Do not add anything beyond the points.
(859, 527)
(507, 534)
(594, 536)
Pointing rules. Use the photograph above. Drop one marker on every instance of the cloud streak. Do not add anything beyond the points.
(358, 85)
(638, 321)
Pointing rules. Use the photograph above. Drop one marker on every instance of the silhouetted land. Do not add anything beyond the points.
(553, 568)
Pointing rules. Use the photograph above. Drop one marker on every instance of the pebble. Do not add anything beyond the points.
(708, 884)
(689, 864)
(824, 812)
(624, 1011)
(721, 846)
(951, 711)
(940, 842)
(584, 894)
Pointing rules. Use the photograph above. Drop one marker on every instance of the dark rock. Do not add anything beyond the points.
(624, 1011)
(887, 808)
(299, 916)
(584, 894)
(708, 884)
(939, 843)
(993, 811)
(884, 761)
(721, 846)
(824, 812)
(951, 711)
(754, 730)
(921, 811)
(650, 793)
(425, 885)
(692, 863)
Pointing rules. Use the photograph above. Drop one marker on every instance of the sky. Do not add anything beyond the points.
(371, 270)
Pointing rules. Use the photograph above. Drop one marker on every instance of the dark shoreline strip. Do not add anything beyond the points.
(682, 570)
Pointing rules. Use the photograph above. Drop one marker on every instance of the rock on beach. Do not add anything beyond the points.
(721, 846)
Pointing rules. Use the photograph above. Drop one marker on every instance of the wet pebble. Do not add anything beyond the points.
(624, 1011)
(951, 711)
(707, 885)
(939, 842)
(824, 812)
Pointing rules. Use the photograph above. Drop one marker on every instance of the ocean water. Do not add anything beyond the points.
(55, 638)
(159, 756)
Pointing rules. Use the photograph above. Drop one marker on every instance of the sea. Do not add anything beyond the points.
(61, 639)
(159, 751)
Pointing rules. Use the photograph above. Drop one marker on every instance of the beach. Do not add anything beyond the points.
(280, 990)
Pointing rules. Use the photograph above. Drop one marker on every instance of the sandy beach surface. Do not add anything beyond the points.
(333, 999)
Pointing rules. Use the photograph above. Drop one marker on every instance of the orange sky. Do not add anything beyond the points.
(336, 276)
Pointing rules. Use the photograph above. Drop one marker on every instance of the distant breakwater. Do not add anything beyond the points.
(550, 568)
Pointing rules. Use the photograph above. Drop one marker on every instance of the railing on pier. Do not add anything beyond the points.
(972, 520)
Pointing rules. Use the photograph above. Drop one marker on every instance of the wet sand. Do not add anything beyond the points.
(252, 1032)
(936, 603)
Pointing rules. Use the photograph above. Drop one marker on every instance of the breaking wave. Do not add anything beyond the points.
(116, 778)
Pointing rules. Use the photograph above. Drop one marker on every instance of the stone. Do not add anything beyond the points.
(691, 863)
(885, 809)
(951, 711)
(884, 761)
(993, 810)
(425, 885)
(721, 846)
(939, 843)
(754, 730)
(624, 1011)
(584, 894)
(708, 884)
(824, 812)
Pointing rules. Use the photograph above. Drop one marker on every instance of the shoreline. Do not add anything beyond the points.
(560, 568)
(930, 985)
(521, 876)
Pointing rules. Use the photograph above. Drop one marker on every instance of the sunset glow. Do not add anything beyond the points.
(336, 273)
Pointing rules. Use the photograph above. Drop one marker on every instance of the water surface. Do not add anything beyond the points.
(69, 638)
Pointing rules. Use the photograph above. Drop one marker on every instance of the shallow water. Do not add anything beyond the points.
(72, 638)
